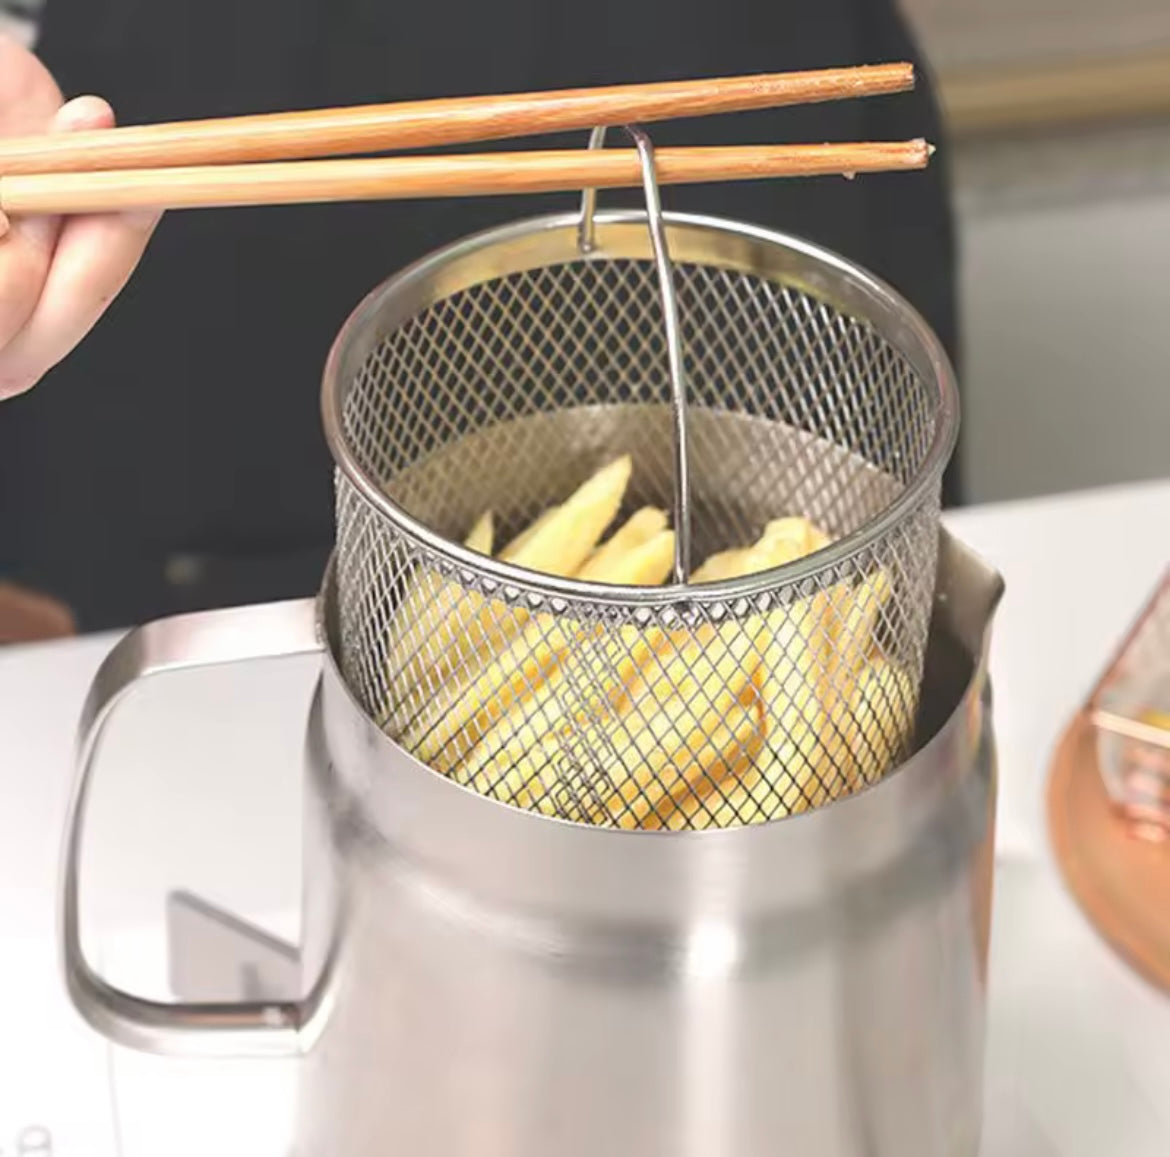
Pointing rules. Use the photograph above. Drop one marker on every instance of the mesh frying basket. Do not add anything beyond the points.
(498, 374)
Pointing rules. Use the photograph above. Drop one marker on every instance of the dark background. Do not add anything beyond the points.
(175, 461)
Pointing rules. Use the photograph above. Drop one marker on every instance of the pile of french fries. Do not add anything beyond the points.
(726, 723)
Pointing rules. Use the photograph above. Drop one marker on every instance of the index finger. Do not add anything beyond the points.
(29, 102)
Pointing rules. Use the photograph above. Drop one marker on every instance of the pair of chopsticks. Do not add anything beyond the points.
(260, 160)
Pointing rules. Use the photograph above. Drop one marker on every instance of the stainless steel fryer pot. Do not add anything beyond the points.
(478, 978)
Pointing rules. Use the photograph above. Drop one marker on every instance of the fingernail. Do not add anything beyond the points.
(4, 225)
(83, 112)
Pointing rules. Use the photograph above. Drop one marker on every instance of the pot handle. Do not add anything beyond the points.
(210, 638)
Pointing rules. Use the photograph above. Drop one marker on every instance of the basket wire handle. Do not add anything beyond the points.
(586, 243)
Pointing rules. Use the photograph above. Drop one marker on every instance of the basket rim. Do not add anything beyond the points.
(919, 490)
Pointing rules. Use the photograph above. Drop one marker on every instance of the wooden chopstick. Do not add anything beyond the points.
(396, 178)
(431, 123)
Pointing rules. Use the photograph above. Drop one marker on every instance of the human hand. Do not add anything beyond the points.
(56, 276)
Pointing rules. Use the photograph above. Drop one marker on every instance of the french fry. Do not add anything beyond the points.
(637, 530)
(729, 722)
(642, 777)
(724, 565)
(805, 537)
(426, 596)
(445, 630)
(877, 726)
(482, 534)
(782, 542)
(563, 541)
(854, 613)
(559, 545)
(525, 536)
(675, 763)
(699, 801)
(817, 754)
(687, 682)
(530, 732)
(644, 565)
(785, 778)
(463, 710)
(633, 649)
(788, 777)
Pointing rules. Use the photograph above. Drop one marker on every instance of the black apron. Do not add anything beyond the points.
(175, 461)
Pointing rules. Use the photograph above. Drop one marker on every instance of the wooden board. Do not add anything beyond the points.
(1121, 881)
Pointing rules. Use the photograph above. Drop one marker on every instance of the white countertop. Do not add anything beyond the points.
(200, 787)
